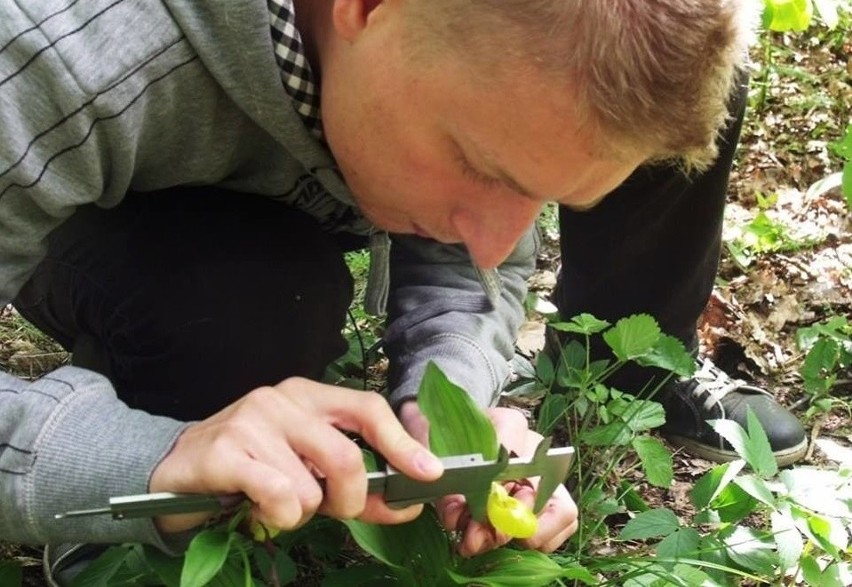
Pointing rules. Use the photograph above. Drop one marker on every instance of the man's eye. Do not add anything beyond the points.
(477, 176)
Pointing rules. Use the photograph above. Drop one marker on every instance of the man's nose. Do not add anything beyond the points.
(491, 234)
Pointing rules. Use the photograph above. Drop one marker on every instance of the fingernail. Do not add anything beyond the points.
(429, 464)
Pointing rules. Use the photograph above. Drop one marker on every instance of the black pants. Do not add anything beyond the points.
(189, 298)
(652, 246)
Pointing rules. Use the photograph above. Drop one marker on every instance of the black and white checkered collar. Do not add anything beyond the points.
(295, 69)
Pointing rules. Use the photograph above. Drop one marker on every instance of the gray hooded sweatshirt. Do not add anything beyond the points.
(99, 97)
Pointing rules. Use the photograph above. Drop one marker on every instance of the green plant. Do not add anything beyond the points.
(828, 347)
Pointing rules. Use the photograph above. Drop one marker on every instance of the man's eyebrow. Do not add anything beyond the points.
(506, 179)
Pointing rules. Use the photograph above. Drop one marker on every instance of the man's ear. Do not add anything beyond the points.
(350, 16)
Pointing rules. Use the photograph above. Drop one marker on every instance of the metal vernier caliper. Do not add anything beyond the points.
(463, 474)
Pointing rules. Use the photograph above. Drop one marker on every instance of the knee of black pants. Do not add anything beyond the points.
(191, 300)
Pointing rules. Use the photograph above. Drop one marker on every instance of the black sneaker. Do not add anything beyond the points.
(63, 562)
(711, 394)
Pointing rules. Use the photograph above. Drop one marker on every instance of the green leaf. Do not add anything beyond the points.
(656, 460)
(733, 504)
(419, 548)
(713, 482)
(582, 324)
(631, 498)
(811, 571)
(102, 569)
(639, 414)
(753, 447)
(369, 575)
(757, 488)
(11, 574)
(284, 565)
(205, 557)
(457, 426)
(829, 533)
(787, 538)
(507, 568)
(633, 336)
(168, 568)
(669, 354)
(847, 184)
(651, 524)
(615, 434)
(747, 548)
(551, 412)
(682, 543)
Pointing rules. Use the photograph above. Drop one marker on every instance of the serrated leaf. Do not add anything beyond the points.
(581, 324)
(709, 485)
(787, 538)
(733, 504)
(669, 354)
(829, 533)
(633, 336)
(640, 415)
(682, 543)
(205, 557)
(509, 568)
(651, 524)
(656, 460)
(753, 447)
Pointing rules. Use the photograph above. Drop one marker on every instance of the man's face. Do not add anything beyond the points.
(433, 151)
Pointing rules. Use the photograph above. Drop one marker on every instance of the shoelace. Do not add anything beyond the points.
(716, 384)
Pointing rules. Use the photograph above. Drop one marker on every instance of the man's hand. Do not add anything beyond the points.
(557, 521)
(275, 442)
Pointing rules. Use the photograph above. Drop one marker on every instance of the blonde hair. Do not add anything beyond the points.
(647, 75)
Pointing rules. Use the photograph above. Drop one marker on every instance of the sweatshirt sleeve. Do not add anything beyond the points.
(66, 443)
(438, 311)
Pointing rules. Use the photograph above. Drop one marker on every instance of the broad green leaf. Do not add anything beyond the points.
(847, 184)
(507, 568)
(651, 524)
(747, 548)
(102, 569)
(669, 354)
(205, 557)
(682, 543)
(11, 574)
(656, 460)
(420, 548)
(811, 571)
(457, 426)
(581, 324)
(632, 336)
(631, 498)
(757, 488)
(544, 369)
(285, 567)
(168, 568)
(787, 538)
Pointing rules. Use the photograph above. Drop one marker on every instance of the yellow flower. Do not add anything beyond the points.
(261, 532)
(510, 515)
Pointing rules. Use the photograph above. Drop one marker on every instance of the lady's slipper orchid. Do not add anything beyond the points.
(510, 515)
